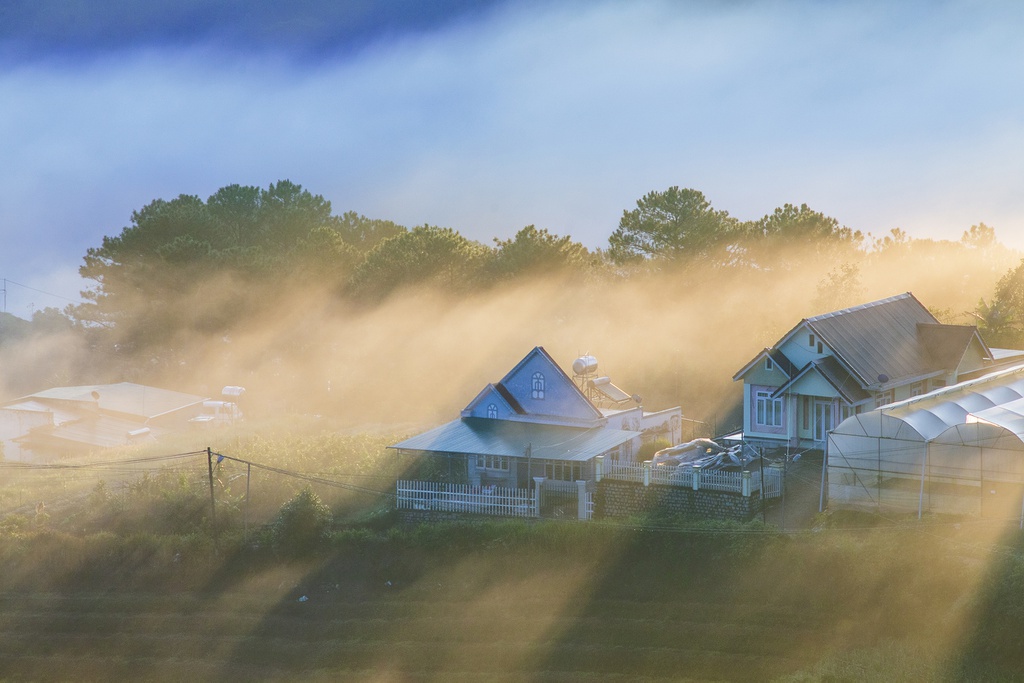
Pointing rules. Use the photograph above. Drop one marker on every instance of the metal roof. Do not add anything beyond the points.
(58, 415)
(126, 398)
(480, 436)
(97, 431)
(876, 340)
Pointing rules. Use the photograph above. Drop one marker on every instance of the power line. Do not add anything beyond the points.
(40, 291)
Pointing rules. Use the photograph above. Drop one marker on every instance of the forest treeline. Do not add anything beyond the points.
(173, 294)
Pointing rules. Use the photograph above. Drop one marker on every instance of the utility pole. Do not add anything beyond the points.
(529, 463)
(760, 461)
(213, 501)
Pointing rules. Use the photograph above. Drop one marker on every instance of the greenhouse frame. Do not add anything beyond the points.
(956, 450)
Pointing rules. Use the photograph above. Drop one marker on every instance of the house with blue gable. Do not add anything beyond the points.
(538, 422)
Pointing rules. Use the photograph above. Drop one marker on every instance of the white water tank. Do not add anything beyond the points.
(584, 365)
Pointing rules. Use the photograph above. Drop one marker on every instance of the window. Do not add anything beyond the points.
(918, 388)
(492, 462)
(769, 365)
(492, 411)
(819, 347)
(768, 409)
(810, 340)
(883, 398)
(938, 383)
(845, 411)
(806, 410)
(564, 471)
(538, 385)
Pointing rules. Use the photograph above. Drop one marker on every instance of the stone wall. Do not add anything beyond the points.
(614, 498)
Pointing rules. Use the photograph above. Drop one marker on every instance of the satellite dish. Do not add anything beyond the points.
(637, 398)
(883, 378)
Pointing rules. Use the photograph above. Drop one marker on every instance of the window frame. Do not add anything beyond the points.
(766, 407)
(538, 386)
(493, 463)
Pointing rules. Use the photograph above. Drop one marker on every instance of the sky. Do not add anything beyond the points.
(489, 116)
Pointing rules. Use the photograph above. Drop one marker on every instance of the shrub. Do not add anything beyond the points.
(302, 523)
(647, 450)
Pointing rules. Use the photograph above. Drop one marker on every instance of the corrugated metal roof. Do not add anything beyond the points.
(479, 436)
(878, 341)
(946, 344)
(58, 415)
(125, 397)
(97, 431)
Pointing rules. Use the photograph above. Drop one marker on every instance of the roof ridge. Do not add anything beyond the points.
(860, 307)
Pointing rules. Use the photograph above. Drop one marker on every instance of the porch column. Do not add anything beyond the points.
(647, 472)
(792, 421)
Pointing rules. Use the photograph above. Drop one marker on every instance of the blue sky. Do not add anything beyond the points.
(488, 116)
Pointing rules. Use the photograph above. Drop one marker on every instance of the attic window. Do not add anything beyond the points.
(492, 411)
(769, 365)
(538, 386)
(819, 347)
(810, 340)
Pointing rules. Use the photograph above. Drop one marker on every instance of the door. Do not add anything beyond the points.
(822, 419)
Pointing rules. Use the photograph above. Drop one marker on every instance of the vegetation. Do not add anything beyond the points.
(294, 565)
(507, 600)
(271, 289)
(309, 574)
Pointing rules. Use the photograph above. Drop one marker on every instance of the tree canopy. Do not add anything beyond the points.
(533, 251)
(426, 255)
(187, 274)
(674, 224)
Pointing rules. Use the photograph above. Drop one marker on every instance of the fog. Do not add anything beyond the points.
(674, 334)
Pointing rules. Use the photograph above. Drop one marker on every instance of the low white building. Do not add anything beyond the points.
(68, 421)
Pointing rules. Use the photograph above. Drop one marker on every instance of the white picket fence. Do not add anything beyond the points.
(712, 480)
(498, 501)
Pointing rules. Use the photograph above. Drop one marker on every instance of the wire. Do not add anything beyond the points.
(97, 464)
(56, 296)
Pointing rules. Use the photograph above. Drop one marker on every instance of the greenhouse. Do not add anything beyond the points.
(958, 450)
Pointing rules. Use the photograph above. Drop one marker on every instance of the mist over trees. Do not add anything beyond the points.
(270, 285)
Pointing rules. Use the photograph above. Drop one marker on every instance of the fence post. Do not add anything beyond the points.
(696, 477)
(581, 499)
(536, 495)
(746, 483)
(647, 472)
(598, 468)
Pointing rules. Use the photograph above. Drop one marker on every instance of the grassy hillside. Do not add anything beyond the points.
(113, 571)
(508, 601)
